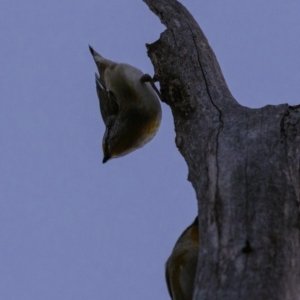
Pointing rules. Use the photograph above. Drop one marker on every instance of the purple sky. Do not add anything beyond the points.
(70, 227)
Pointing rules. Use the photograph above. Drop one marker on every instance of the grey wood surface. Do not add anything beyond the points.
(243, 164)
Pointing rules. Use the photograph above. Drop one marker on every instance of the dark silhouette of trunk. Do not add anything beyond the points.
(243, 164)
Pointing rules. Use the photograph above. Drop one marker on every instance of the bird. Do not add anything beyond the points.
(129, 106)
(181, 266)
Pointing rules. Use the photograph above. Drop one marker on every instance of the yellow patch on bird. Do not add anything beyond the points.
(195, 234)
(175, 280)
(135, 139)
(151, 127)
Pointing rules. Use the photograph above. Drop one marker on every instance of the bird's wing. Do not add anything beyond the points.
(108, 103)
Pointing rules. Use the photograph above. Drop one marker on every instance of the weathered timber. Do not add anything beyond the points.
(243, 164)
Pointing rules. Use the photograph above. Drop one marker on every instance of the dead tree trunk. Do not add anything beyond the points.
(243, 164)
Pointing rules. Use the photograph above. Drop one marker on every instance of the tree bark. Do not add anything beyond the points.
(243, 164)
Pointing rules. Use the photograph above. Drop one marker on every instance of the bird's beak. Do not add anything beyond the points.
(106, 158)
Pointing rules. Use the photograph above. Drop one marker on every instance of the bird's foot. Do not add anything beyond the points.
(148, 78)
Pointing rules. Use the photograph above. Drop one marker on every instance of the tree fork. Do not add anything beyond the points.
(243, 164)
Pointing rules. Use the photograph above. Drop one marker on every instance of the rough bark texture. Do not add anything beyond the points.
(243, 164)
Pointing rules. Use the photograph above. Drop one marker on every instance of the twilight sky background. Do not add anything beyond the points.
(70, 227)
